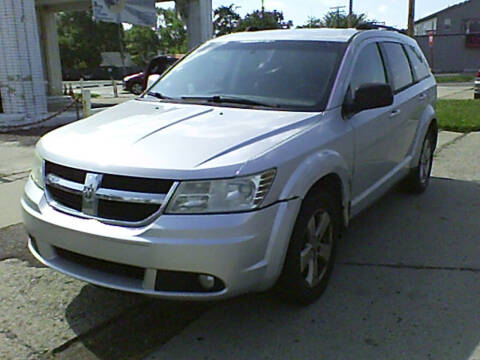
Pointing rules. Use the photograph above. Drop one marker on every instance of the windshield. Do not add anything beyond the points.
(293, 75)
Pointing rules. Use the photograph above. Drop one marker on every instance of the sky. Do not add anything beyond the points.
(392, 12)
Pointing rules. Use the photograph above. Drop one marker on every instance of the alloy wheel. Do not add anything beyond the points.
(425, 161)
(317, 251)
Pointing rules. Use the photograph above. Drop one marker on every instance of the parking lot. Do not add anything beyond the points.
(406, 286)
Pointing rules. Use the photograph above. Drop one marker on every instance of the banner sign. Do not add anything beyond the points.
(135, 12)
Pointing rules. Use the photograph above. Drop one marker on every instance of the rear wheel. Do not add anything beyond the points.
(311, 253)
(476, 96)
(419, 177)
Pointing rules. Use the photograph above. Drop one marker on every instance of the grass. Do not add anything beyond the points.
(92, 95)
(459, 115)
(454, 78)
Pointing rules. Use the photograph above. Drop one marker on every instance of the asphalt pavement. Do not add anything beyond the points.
(406, 286)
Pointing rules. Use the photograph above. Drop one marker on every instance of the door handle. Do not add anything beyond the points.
(422, 97)
(395, 113)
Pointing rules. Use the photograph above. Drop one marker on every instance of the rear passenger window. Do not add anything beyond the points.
(369, 68)
(399, 66)
(419, 65)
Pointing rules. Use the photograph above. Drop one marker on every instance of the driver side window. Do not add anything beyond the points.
(369, 68)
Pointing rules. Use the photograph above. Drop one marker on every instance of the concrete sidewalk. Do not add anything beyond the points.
(455, 91)
(16, 154)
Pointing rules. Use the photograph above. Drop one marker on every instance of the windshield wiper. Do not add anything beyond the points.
(228, 99)
(158, 95)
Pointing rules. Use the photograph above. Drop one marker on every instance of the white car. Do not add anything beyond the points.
(239, 167)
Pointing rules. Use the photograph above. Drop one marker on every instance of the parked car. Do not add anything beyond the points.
(476, 89)
(136, 83)
(239, 168)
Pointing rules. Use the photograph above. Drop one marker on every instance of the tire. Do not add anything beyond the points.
(476, 96)
(136, 88)
(298, 283)
(419, 178)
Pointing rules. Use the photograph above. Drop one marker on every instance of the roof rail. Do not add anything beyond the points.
(375, 26)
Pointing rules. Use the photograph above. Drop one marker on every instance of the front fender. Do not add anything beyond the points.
(312, 169)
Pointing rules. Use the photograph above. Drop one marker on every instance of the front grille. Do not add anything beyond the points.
(116, 198)
(103, 266)
(130, 183)
(132, 212)
(71, 201)
(65, 172)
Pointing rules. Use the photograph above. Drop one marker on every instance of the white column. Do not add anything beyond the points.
(49, 38)
(22, 82)
(198, 16)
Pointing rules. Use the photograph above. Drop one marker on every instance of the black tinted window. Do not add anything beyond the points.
(399, 66)
(368, 68)
(286, 74)
(419, 65)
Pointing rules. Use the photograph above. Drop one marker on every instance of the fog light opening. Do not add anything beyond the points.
(207, 281)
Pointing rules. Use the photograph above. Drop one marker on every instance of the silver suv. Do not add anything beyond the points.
(238, 169)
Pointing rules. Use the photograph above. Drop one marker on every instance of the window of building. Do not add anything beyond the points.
(472, 26)
(447, 24)
(399, 66)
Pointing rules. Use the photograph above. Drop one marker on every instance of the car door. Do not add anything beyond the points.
(402, 116)
(424, 89)
(373, 129)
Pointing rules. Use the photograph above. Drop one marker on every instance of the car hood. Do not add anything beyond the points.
(133, 76)
(169, 139)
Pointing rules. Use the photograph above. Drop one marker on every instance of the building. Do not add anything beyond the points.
(30, 66)
(450, 38)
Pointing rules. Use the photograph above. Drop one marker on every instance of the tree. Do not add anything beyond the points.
(334, 19)
(264, 20)
(142, 43)
(225, 20)
(312, 22)
(77, 48)
(172, 32)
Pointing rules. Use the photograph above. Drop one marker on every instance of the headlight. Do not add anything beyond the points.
(225, 195)
(37, 171)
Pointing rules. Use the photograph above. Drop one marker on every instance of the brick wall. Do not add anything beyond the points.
(22, 82)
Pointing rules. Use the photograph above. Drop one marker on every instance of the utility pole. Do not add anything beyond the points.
(411, 17)
(337, 10)
(350, 14)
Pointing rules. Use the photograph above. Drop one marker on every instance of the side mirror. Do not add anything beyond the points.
(370, 96)
(152, 79)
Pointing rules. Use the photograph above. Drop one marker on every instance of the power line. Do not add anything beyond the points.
(338, 10)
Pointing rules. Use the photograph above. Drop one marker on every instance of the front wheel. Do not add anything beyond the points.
(136, 88)
(311, 253)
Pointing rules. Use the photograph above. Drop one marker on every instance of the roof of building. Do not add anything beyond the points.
(431, 16)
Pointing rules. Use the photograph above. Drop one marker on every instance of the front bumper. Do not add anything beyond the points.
(245, 251)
